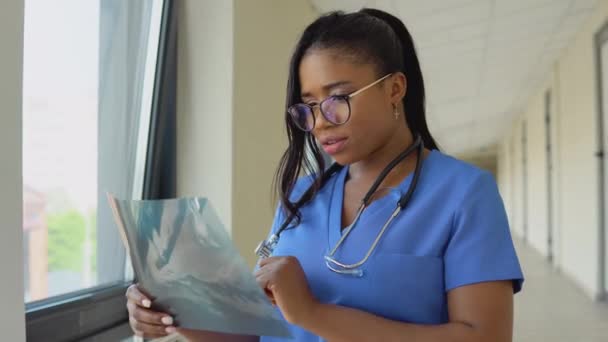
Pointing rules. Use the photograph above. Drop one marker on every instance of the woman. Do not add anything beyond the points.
(347, 265)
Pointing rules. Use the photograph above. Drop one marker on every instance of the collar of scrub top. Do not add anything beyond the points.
(354, 269)
(266, 247)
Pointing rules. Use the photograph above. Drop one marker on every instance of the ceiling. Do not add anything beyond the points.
(481, 59)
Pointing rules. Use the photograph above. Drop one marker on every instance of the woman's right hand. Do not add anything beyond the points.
(153, 324)
(144, 321)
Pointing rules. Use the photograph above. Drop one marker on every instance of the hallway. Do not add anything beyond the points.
(552, 309)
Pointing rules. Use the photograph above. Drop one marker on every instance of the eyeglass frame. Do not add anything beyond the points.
(320, 105)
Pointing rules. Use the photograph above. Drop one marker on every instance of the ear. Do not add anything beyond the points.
(397, 87)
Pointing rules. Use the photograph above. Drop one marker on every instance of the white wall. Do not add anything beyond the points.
(579, 181)
(517, 179)
(12, 323)
(232, 73)
(573, 87)
(204, 102)
(504, 161)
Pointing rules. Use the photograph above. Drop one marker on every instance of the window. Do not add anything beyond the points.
(60, 123)
(98, 117)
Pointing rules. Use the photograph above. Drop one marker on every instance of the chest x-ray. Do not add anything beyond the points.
(184, 258)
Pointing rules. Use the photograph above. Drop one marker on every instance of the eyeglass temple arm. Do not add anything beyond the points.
(368, 86)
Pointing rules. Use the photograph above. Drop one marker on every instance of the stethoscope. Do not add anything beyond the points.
(266, 247)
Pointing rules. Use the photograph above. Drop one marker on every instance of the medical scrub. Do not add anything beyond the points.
(453, 233)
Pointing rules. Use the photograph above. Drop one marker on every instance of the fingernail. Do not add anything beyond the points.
(146, 303)
(167, 320)
(170, 330)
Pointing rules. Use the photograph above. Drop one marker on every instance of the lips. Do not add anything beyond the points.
(333, 145)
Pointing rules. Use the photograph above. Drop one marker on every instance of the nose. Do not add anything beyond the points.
(320, 120)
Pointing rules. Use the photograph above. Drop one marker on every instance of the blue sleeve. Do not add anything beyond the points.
(480, 248)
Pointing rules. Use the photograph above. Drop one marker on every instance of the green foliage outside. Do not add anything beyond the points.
(67, 238)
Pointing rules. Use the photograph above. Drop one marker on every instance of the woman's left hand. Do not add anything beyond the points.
(284, 281)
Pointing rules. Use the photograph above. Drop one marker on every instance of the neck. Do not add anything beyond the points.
(367, 170)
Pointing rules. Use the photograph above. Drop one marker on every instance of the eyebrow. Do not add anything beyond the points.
(328, 87)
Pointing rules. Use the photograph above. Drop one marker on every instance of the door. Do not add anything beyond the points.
(524, 163)
(601, 49)
(550, 177)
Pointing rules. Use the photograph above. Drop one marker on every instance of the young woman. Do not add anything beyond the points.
(395, 241)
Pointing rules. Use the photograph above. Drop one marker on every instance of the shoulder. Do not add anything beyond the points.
(458, 178)
(305, 182)
(300, 187)
(457, 169)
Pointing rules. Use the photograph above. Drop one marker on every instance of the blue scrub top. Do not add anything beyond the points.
(453, 233)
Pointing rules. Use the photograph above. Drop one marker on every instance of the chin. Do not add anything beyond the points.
(344, 158)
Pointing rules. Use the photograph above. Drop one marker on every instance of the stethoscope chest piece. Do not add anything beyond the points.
(266, 247)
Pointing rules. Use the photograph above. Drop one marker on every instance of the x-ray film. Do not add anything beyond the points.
(184, 258)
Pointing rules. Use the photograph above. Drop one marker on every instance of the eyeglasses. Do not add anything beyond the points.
(335, 109)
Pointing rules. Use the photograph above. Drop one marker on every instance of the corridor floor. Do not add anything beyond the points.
(551, 308)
